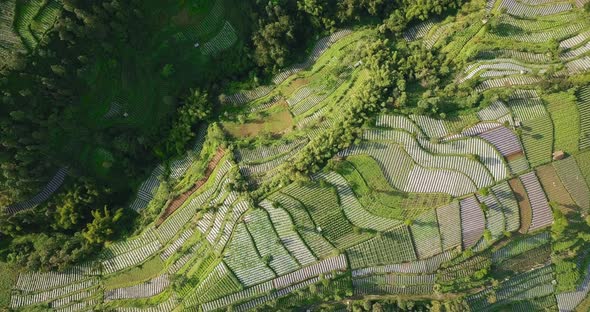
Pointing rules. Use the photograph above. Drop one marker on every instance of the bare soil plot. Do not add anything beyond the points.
(555, 190)
(526, 212)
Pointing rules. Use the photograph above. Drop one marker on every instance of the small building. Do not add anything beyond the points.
(558, 155)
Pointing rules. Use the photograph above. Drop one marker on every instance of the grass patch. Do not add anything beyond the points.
(564, 112)
(141, 273)
(378, 197)
(274, 122)
(537, 138)
(8, 276)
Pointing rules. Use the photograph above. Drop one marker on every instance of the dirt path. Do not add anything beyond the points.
(526, 212)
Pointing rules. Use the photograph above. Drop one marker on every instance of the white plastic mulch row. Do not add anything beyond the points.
(248, 306)
(504, 140)
(146, 190)
(114, 109)
(352, 208)
(494, 111)
(178, 219)
(262, 152)
(433, 128)
(80, 304)
(122, 247)
(395, 163)
(237, 210)
(299, 95)
(506, 82)
(449, 222)
(495, 222)
(249, 95)
(179, 166)
(542, 215)
(579, 65)
(249, 170)
(527, 109)
(266, 104)
(398, 122)
(228, 300)
(43, 281)
(166, 306)
(418, 31)
(220, 217)
(53, 185)
(21, 299)
(575, 40)
(499, 73)
(226, 37)
(430, 155)
(325, 266)
(144, 290)
(182, 260)
(473, 222)
(320, 94)
(132, 258)
(207, 25)
(541, 36)
(268, 243)
(288, 236)
(514, 7)
(429, 265)
(320, 47)
(176, 245)
(571, 54)
(528, 285)
(499, 65)
(243, 259)
(487, 154)
(524, 94)
(490, 5)
(475, 130)
(507, 199)
(529, 57)
(422, 180)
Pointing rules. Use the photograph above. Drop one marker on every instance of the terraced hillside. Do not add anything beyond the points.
(25, 23)
(478, 207)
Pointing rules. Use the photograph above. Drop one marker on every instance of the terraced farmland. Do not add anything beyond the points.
(329, 179)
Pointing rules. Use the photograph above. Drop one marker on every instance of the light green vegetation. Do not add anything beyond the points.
(320, 200)
(275, 121)
(378, 197)
(537, 138)
(136, 275)
(564, 113)
(8, 276)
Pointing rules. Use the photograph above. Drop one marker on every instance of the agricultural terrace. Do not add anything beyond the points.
(472, 189)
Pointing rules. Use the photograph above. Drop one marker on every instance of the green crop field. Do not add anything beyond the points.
(379, 197)
(564, 113)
